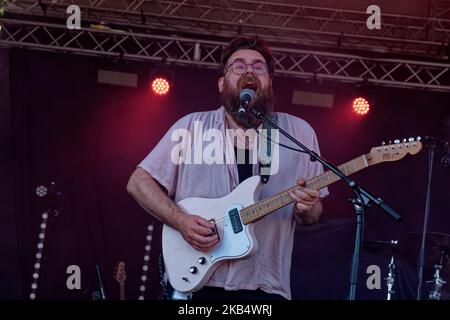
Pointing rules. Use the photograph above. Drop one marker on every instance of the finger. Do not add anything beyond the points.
(204, 223)
(199, 245)
(203, 230)
(204, 240)
(303, 208)
(312, 193)
(303, 195)
(294, 196)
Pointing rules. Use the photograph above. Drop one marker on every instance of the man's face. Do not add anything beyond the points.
(231, 84)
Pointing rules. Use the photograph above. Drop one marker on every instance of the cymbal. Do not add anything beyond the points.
(434, 243)
(408, 248)
(380, 248)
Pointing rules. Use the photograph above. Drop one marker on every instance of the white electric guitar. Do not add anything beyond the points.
(188, 269)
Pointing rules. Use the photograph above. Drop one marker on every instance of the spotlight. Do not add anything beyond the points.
(161, 80)
(41, 191)
(361, 106)
(160, 86)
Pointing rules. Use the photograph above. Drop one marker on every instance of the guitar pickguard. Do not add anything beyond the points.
(233, 245)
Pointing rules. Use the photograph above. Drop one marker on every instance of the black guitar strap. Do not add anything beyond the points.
(265, 149)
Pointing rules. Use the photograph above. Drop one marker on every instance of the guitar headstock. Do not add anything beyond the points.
(119, 273)
(394, 151)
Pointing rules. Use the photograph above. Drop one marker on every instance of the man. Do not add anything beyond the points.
(160, 181)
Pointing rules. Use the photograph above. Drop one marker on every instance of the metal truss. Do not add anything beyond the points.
(198, 52)
(275, 21)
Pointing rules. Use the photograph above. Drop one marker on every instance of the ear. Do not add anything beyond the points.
(220, 84)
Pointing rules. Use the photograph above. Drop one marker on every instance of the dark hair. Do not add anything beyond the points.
(253, 43)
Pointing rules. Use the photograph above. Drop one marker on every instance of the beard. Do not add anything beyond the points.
(264, 101)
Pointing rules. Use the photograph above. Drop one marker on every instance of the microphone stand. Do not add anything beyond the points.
(362, 200)
(100, 283)
(421, 262)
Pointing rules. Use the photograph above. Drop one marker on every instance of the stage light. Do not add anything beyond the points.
(145, 267)
(361, 106)
(160, 86)
(41, 191)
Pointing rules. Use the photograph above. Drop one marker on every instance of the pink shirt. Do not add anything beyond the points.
(268, 269)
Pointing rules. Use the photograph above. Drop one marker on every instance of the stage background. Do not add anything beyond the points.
(58, 124)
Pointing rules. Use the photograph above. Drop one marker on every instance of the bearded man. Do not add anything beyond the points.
(159, 182)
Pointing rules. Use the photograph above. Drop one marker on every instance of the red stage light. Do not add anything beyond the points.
(361, 106)
(160, 86)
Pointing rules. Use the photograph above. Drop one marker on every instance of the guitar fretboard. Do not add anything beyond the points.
(122, 291)
(264, 207)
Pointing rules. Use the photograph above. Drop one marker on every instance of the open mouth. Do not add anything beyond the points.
(250, 85)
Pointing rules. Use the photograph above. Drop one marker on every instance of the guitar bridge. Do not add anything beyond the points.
(213, 222)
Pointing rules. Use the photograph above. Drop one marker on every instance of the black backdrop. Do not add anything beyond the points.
(88, 137)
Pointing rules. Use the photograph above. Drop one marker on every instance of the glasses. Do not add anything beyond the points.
(239, 67)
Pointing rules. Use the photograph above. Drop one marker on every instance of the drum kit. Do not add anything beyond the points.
(407, 248)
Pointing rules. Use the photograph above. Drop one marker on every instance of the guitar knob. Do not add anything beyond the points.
(193, 270)
(202, 260)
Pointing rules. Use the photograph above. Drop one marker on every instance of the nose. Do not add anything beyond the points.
(248, 71)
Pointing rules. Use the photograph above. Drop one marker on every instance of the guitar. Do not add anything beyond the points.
(120, 276)
(188, 269)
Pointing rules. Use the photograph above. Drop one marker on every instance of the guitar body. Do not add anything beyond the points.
(188, 269)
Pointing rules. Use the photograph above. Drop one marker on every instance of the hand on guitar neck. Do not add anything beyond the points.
(120, 276)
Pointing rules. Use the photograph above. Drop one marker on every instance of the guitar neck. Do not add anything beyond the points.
(264, 207)
(122, 291)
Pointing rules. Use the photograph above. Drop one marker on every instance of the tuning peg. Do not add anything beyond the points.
(419, 138)
(404, 140)
(411, 139)
(383, 143)
(390, 142)
(396, 141)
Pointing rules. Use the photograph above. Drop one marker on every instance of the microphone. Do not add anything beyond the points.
(246, 96)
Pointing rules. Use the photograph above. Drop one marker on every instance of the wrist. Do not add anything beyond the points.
(179, 219)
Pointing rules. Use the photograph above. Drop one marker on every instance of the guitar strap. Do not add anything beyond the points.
(265, 149)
